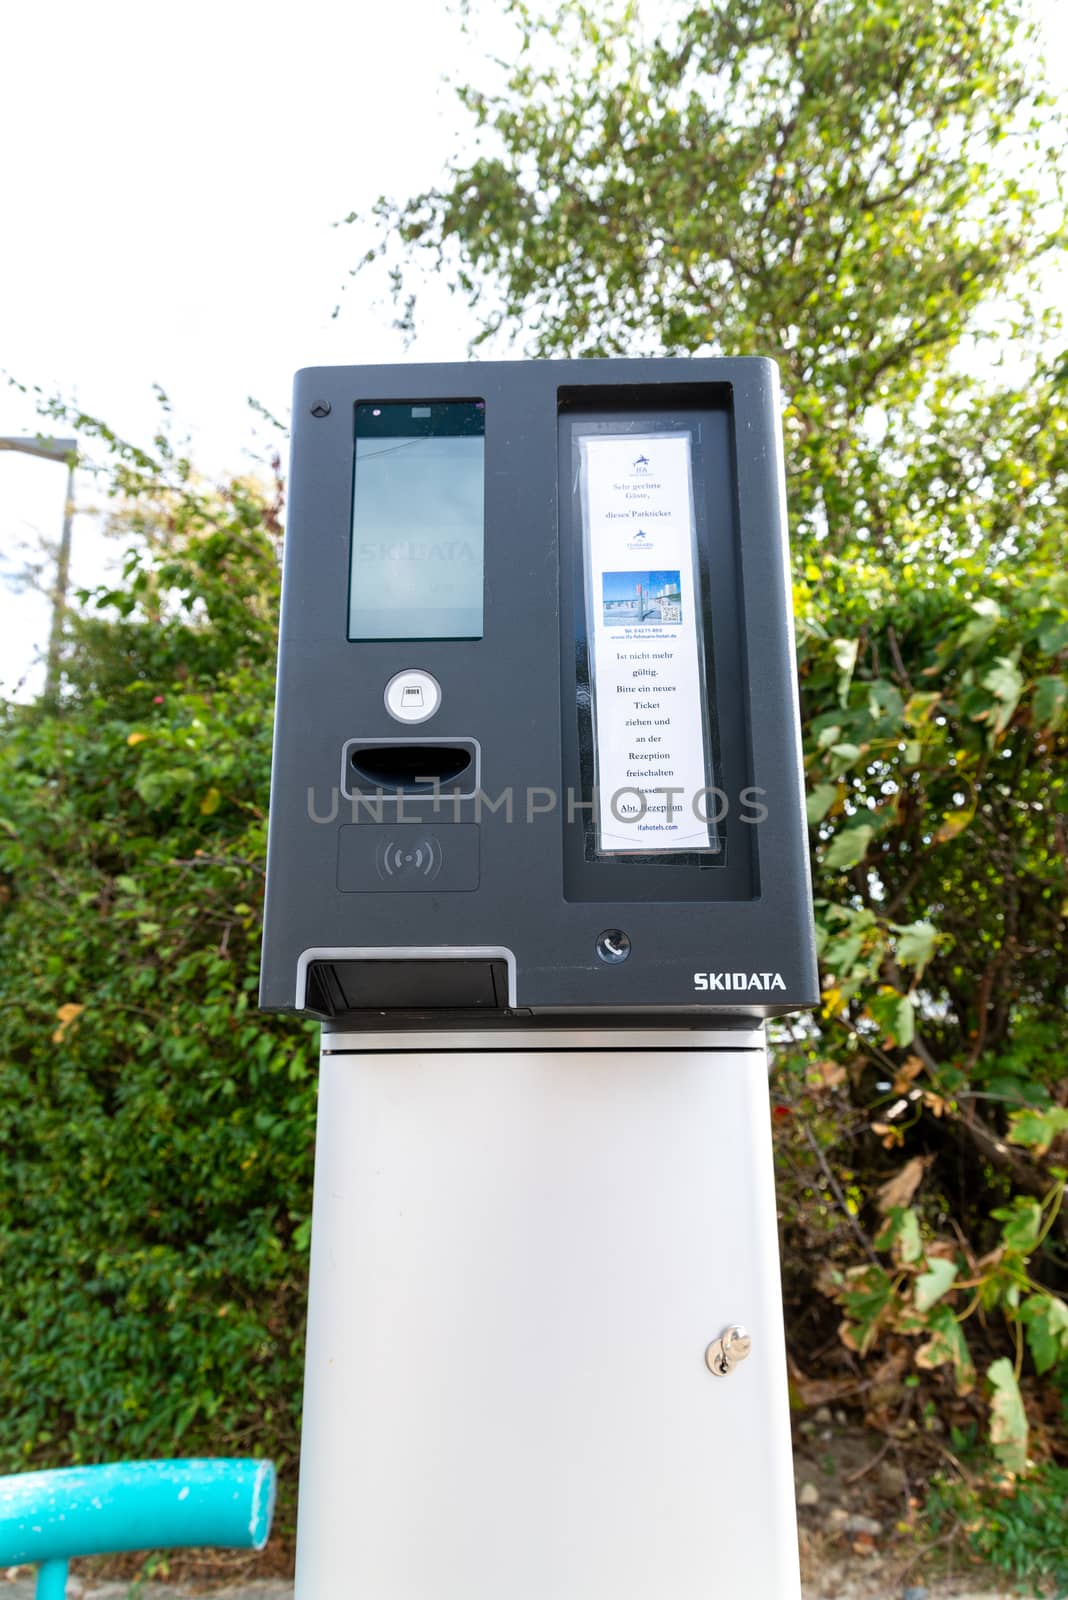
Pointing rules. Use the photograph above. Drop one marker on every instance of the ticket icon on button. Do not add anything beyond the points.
(412, 696)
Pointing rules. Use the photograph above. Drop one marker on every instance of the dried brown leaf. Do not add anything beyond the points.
(899, 1190)
(65, 1016)
(826, 1075)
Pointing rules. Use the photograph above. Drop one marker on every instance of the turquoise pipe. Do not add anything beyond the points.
(51, 1581)
(48, 1517)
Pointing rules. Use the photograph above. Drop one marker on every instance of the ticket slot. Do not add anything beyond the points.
(411, 768)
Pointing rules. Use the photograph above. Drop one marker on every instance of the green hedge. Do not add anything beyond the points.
(156, 1132)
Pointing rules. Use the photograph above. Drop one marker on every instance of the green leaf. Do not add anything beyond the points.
(920, 707)
(1053, 637)
(916, 944)
(947, 1346)
(1005, 682)
(901, 1234)
(1008, 1420)
(1021, 1224)
(845, 756)
(866, 1297)
(1051, 702)
(845, 656)
(849, 847)
(895, 1016)
(1046, 1318)
(987, 616)
(841, 954)
(931, 1285)
(819, 801)
(886, 707)
(1037, 1128)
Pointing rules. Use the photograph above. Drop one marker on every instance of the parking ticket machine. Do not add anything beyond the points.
(538, 862)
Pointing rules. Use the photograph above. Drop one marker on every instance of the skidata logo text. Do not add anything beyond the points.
(736, 982)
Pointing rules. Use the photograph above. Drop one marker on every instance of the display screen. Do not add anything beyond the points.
(651, 746)
(418, 525)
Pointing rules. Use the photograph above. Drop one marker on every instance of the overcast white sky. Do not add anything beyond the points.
(169, 180)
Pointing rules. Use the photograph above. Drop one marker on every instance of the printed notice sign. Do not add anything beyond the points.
(644, 622)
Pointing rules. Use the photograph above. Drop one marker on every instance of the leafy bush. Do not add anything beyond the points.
(156, 1131)
(865, 192)
(1017, 1528)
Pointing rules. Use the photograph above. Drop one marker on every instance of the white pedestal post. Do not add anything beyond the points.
(522, 1245)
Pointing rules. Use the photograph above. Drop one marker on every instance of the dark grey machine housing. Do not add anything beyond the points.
(401, 884)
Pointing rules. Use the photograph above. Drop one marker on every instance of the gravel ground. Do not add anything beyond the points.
(21, 1588)
(836, 1583)
(850, 1585)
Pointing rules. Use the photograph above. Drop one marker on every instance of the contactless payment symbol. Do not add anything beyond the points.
(416, 858)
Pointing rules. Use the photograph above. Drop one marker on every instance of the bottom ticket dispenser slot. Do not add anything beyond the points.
(407, 987)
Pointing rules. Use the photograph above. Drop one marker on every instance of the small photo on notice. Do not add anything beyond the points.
(631, 597)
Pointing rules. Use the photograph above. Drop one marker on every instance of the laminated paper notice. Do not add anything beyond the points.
(644, 625)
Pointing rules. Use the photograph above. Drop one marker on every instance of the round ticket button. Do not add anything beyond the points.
(412, 696)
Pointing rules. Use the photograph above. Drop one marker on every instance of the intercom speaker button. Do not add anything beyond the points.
(412, 695)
